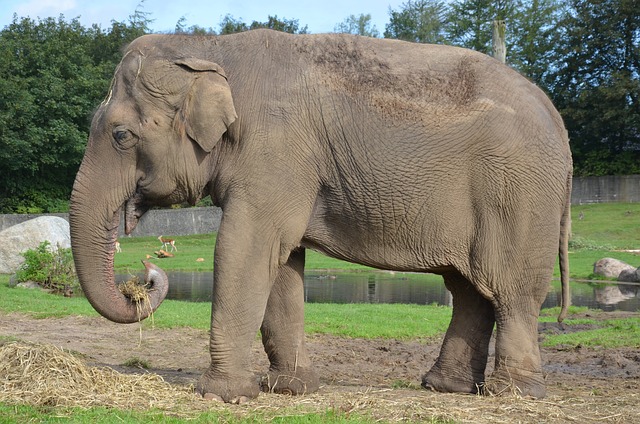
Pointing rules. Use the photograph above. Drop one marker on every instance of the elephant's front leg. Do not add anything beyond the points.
(245, 266)
(283, 332)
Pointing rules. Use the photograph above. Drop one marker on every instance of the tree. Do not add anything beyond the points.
(597, 85)
(535, 34)
(53, 73)
(359, 25)
(285, 25)
(420, 21)
(181, 28)
(230, 25)
(470, 22)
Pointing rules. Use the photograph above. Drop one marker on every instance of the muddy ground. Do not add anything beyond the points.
(379, 378)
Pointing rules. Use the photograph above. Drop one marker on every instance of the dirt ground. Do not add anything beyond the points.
(379, 378)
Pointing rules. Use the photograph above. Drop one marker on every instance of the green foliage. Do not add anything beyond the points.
(51, 268)
(579, 243)
(597, 85)
(470, 22)
(534, 31)
(230, 25)
(181, 28)
(421, 21)
(53, 73)
(359, 25)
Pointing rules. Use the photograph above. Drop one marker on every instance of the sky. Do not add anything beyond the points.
(319, 15)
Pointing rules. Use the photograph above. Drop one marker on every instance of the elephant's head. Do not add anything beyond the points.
(150, 145)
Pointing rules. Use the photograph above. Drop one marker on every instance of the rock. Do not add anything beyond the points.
(28, 285)
(611, 268)
(629, 275)
(28, 235)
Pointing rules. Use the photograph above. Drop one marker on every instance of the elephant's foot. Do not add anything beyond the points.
(436, 381)
(299, 382)
(229, 390)
(512, 382)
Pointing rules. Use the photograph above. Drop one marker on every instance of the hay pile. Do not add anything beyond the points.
(39, 374)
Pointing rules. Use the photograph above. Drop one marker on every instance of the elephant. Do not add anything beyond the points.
(395, 155)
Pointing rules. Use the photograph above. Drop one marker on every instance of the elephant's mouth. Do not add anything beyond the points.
(141, 201)
(134, 208)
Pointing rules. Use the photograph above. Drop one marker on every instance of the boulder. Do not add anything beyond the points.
(612, 268)
(28, 235)
(629, 275)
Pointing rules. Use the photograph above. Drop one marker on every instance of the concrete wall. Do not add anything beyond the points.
(177, 222)
(166, 222)
(623, 188)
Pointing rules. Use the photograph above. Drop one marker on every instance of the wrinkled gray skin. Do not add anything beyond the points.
(399, 156)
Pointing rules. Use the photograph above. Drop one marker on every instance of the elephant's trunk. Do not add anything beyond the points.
(94, 217)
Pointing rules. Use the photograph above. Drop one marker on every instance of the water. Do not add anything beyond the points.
(386, 287)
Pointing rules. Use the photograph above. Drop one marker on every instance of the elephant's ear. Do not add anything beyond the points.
(208, 108)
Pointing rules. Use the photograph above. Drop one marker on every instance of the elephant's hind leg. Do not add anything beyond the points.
(463, 356)
(518, 368)
(283, 333)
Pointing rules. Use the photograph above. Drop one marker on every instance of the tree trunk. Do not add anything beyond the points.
(499, 43)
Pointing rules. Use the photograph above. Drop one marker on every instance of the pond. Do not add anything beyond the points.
(388, 287)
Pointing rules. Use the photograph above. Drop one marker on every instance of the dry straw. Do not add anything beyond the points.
(38, 374)
(138, 293)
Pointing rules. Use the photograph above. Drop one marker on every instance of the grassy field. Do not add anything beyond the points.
(192, 248)
(598, 231)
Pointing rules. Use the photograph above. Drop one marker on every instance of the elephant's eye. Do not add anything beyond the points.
(124, 138)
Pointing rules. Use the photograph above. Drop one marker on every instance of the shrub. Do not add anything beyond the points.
(579, 243)
(51, 268)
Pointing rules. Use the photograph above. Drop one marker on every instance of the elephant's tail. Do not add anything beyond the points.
(563, 251)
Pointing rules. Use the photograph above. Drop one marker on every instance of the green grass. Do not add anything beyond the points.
(100, 415)
(608, 225)
(191, 248)
(377, 320)
(612, 333)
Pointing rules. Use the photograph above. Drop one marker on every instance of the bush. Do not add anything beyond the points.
(51, 268)
(579, 243)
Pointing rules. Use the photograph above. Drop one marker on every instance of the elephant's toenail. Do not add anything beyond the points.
(212, 396)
